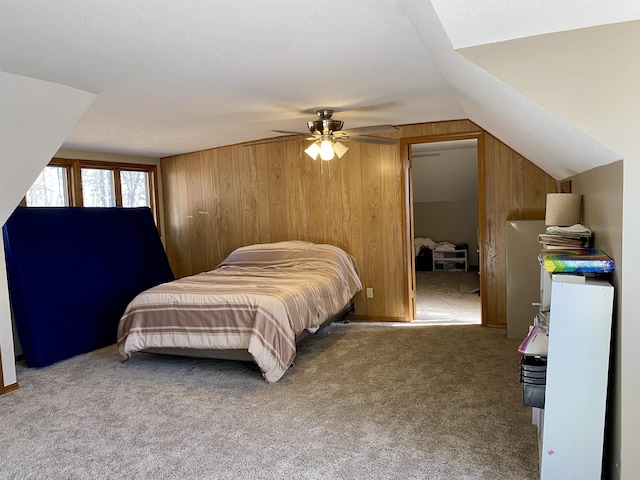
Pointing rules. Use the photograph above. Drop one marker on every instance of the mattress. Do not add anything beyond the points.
(259, 299)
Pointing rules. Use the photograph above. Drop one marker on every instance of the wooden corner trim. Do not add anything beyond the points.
(9, 388)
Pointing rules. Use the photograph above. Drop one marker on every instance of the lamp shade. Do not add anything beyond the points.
(313, 150)
(327, 149)
(340, 149)
(563, 209)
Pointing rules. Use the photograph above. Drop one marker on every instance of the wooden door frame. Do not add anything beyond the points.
(409, 263)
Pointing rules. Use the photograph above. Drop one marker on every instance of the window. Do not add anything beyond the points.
(98, 187)
(51, 188)
(95, 184)
(134, 187)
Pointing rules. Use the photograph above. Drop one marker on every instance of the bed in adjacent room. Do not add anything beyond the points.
(255, 305)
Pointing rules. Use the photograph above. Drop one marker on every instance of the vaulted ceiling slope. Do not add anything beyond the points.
(558, 80)
(35, 116)
(173, 77)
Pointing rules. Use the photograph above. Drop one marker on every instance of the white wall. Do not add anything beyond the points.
(455, 222)
(106, 157)
(444, 175)
(601, 189)
(6, 333)
(589, 77)
(630, 333)
(35, 118)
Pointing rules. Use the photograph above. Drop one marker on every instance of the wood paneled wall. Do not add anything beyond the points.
(220, 199)
(514, 189)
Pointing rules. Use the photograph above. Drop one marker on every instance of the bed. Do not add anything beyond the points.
(255, 305)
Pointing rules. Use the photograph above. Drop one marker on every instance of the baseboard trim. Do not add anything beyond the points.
(8, 388)
(377, 318)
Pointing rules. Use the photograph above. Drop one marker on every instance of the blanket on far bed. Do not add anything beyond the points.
(259, 298)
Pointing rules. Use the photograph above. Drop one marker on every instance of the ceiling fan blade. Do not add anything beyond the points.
(354, 107)
(378, 140)
(270, 140)
(288, 132)
(369, 130)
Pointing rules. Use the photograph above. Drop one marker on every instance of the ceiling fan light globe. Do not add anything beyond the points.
(326, 150)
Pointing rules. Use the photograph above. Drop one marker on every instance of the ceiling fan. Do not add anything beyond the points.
(327, 135)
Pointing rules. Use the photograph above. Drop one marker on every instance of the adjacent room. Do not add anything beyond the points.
(287, 239)
(445, 230)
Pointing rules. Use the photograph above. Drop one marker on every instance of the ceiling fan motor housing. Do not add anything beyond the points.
(325, 125)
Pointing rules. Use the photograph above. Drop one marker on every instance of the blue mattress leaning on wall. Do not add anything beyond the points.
(73, 270)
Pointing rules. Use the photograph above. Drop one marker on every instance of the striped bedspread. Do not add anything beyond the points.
(259, 298)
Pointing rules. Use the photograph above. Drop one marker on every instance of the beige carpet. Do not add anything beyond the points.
(448, 298)
(364, 401)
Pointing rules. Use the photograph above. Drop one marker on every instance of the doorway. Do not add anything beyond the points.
(444, 215)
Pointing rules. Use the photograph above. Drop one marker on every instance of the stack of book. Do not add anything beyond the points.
(576, 261)
(575, 236)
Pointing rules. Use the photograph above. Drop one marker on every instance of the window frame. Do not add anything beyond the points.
(74, 167)
(67, 171)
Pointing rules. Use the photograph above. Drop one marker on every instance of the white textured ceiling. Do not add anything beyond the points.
(597, 91)
(176, 76)
(173, 77)
(477, 22)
